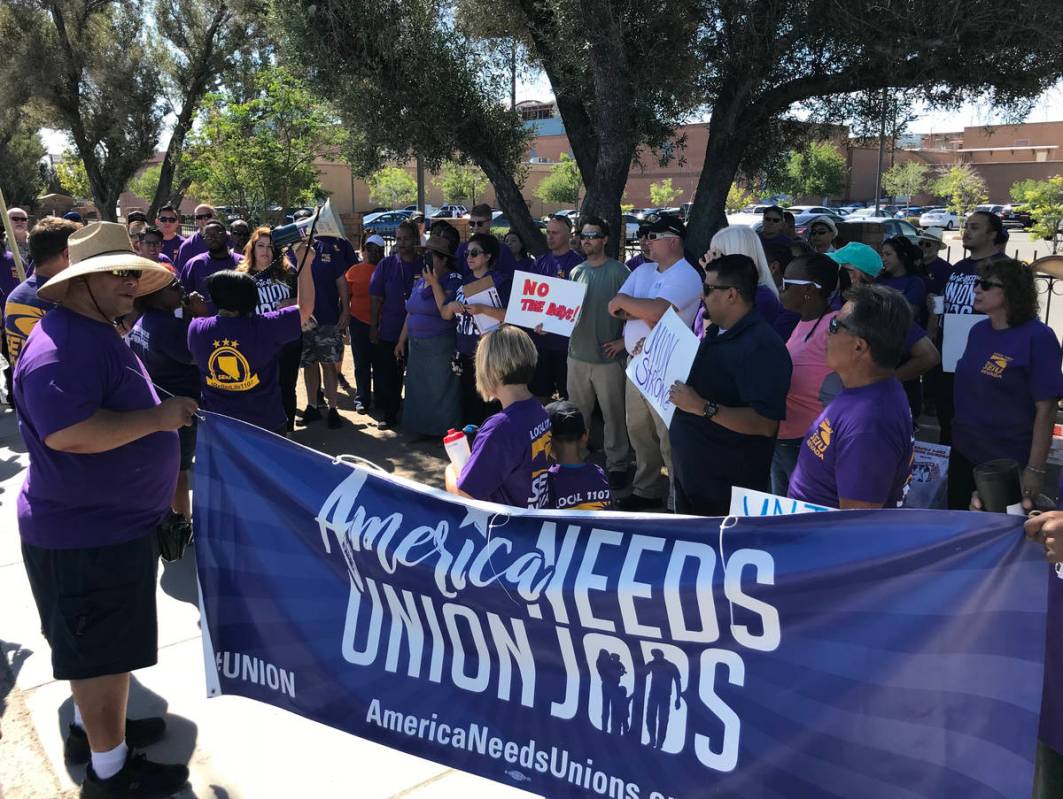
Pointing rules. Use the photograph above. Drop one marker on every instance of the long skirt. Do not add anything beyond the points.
(433, 398)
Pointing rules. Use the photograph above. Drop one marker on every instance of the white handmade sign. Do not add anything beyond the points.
(954, 338)
(747, 502)
(666, 356)
(551, 302)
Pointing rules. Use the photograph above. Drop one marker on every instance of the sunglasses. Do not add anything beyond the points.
(125, 274)
(986, 285)
(19, 218)
(655, 236)
(478, 222)
(471, 253)
(788, 282)
(591, 236)
(710, 287)
(170, 218)
(837, 324)
(775, 219)
(820, 231)
(204, 216)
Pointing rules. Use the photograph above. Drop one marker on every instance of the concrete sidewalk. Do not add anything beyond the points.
(235, 748)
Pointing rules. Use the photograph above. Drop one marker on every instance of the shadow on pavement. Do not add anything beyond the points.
(13, 656)
(178, 579)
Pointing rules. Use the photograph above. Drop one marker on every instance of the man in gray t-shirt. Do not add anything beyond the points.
(596, 348)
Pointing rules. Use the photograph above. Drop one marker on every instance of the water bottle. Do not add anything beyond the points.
(457, 447)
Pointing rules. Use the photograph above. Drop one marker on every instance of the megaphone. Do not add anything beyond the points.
(327, 225)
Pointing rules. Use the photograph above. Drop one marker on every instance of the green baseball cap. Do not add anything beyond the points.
(858, 256)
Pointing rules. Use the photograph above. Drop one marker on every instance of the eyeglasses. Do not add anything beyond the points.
(820, 231)
(125, 274)
(709, 288)
(775, 219)
(170, 218)
(471, 253)
(655, 236)
(837, 324)
(788, 282)
(22, 219)
(204, 216)
(986, 285)
(479, 222)
(591, 236)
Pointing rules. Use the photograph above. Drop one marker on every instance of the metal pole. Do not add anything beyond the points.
(11, 239)
(513, 73)
(881, 147)
(420, 184)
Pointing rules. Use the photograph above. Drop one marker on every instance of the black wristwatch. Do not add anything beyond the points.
(710, 409)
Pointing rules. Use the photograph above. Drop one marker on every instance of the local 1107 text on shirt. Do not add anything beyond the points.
(859, 448)
(578, 486)
(510, 457)
(679, 284)
(999, 378)
(238, 364)
(70, 368)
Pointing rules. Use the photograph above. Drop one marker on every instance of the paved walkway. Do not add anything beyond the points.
(236, 748)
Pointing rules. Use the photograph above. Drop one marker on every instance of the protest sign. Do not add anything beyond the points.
(666, 356)
(551, 302)
(929, 485)
(889, 653)
(482, 292)
(957, 327)
(747, 502)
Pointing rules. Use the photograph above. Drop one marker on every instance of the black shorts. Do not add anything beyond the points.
(551, 374)
(187, 436)
(97, 606)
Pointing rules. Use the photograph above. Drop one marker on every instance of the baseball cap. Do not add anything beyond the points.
(669, 224)
(566, 421)
(377, 240)
(73, 216)
(858, 256)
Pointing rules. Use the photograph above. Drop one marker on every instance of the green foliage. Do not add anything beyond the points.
(21, 151)
(905, 179)
(626, 208)
(738, 198)
(1044, 200)
(663, 194)
(563, 184)
(818, 170)
(962, 188)
(260, 152)
(392, 186)
(460, 183)
(73, 178)
(144, 184)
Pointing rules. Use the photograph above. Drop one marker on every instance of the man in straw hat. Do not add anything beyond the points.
(103, 466)
(931, 243)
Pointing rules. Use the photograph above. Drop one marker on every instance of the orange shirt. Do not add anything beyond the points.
(358, 282)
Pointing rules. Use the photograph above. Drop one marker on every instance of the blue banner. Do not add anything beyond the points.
(579, 654)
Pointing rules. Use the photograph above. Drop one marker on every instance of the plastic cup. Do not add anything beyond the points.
(998, 484)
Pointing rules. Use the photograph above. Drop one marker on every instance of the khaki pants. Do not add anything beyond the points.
(602, 383)
(649, 437)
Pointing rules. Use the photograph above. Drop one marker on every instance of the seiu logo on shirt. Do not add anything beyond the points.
(996, 365)
(820, 440)
(227, 368)
(541, 439)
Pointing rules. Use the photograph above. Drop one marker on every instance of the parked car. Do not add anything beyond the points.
(991, 208)
(500, 223)
(450, 212)
(939, 217)
(891, 226)
(386, 222)
(869, 212)
(1016, 216)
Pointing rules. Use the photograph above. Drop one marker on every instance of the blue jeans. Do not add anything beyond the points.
(783, 463)
(362, 350)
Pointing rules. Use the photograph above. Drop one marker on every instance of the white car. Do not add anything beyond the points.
(939, 217)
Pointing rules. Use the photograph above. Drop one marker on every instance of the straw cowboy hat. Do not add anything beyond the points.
(935, 235)
(104, 247)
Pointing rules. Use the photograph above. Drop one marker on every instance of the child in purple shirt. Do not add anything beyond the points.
(510, 455)
(237, 351)
(571, 483)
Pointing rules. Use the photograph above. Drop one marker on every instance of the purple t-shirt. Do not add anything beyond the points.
(71, 367)
(913, 288)
(859, 448)
(392, 281)
(999, 377)
(188, 249)
(767, 302)
(551, 265)
(510, 457)
(636, 261)
(332, 258)
(160, 340)
(468, 332)
(8, 275)
(422, 313)
(170, 247)
(578, 486)
(196, 270)
(237, 360)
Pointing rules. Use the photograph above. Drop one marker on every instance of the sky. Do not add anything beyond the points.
(1049, 108)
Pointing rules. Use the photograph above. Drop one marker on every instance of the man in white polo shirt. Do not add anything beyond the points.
(668, 281)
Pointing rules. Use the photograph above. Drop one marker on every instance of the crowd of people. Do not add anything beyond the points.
(815, 364)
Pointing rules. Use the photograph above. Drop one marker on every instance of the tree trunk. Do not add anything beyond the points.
(509, 196)
(606, 190)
